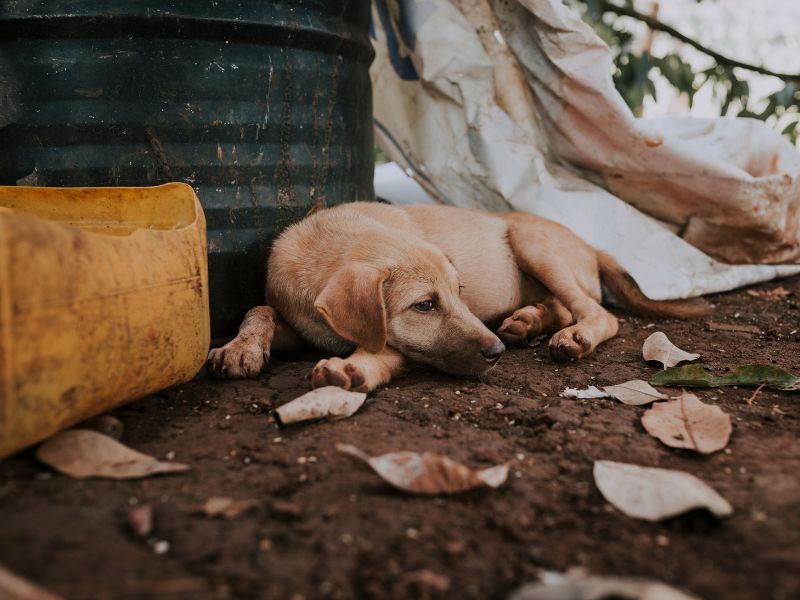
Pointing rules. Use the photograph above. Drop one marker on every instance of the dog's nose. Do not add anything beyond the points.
(493, 351)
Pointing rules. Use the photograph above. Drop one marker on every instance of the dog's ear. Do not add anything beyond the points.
(352, 305)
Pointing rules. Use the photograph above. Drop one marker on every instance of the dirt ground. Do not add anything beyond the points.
(327, 527)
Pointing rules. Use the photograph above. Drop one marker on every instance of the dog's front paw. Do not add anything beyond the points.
(569, 343)
(237, 359)
(340, 373)
(522, 327)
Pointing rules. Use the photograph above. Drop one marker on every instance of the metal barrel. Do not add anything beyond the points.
(263, 107)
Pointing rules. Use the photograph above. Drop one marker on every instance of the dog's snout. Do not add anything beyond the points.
(494, 350)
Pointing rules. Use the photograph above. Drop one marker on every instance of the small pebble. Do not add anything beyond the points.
(140, 520)
(161, 547)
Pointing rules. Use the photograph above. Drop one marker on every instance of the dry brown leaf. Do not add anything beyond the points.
(14, 587)
(222, 506)
(600, 588)
(428, 473)
(82, 453)
(686, 422)
(658, 347)
(774, 295)
(326, 402)
(655, 494)
(634, 393)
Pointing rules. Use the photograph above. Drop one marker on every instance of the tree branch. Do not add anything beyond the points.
(720, 58)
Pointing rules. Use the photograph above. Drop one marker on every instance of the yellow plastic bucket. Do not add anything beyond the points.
(103, 299)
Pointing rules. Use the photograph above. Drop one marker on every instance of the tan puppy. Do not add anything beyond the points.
(389, 284)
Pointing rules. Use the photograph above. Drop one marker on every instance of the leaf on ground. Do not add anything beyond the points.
(658, 347)
(634, 393)
(327, 402)
(14, 587)
(589, 392)
(428, 473)
(600, 588)
(747, 375)
(82, 453)
(774, 295)
(686, 422)
(222, 506)
(655, 494)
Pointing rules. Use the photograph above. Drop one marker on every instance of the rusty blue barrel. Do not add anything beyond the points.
(264, 107)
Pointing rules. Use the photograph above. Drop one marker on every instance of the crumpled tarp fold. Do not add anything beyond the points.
(510, 105)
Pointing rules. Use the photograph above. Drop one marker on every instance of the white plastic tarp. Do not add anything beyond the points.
(510, 105)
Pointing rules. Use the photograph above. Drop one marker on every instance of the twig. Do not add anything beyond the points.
(753, 397)
(653, 23)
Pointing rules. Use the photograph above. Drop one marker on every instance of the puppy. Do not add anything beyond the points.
(384, 285)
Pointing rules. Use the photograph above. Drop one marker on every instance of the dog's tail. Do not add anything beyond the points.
(627, 291)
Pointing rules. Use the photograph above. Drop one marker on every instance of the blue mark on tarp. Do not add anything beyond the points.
(407, 31)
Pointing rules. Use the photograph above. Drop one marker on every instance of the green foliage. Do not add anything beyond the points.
(747, 375)
(634, 74)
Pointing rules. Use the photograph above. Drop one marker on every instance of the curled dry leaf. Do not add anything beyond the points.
(589, 392)
(655, 494)
(600, 588)
(658, 347)
(82, 453)
(686, 422)
(747, 375)
(222, 506)
(326, 402)
(634, 393)
(428, 473)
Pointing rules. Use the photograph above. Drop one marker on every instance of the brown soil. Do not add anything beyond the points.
(328, 527)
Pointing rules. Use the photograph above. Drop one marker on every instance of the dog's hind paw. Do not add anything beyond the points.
(340, 373)
(237, 359)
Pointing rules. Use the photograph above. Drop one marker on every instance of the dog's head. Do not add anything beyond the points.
(408, 298)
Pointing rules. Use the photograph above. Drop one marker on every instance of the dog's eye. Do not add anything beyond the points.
(424, 306)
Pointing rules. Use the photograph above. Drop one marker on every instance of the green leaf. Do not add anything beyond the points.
(789, 129)
(746, 375)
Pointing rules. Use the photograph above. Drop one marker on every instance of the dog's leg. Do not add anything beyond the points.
(248, 353)
(362, 371)
(567, 267)
(529, 322)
